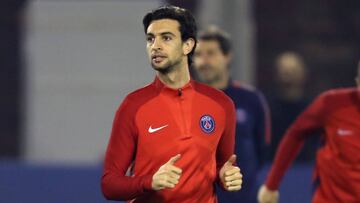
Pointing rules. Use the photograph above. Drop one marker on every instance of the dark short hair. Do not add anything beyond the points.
(214, 33)
(188, 28)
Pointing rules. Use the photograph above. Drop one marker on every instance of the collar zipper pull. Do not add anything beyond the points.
(179, 92)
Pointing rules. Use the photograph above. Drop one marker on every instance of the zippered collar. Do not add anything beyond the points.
(161, 87)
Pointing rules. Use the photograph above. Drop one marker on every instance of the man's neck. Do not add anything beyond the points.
(177, 78)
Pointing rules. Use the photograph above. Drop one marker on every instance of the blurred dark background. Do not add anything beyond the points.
(325, 32)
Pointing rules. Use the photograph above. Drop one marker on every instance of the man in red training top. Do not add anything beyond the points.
(178, 134)
(335, 113)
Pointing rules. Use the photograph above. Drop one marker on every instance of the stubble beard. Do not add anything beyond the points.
(168, 67)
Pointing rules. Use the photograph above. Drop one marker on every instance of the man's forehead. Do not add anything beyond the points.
(209, 44)
(163, 26)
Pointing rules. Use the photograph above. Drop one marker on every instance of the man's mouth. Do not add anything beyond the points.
(157, 58)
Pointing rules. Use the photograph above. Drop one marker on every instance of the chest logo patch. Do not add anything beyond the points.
(207, 124)
(152, 130)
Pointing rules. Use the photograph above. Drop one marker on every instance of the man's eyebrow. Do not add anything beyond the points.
(167, 33)
(162, 34)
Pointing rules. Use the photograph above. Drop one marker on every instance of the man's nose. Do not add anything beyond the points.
(156, 44)
(202, 60)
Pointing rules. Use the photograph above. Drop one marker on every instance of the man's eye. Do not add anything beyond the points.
(149, 39)
(167, 38)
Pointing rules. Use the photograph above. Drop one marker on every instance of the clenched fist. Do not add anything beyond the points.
(267, 196)
(230, 175)
(167, 176)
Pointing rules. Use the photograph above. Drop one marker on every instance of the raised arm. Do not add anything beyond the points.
(307, 123)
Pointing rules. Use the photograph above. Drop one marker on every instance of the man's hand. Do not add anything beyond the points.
(167, 176)
(267, 196)
(230, 175)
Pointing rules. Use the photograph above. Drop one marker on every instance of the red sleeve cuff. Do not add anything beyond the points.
(271, 185)
(146, 183)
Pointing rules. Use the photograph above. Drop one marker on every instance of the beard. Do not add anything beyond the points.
(168, 67)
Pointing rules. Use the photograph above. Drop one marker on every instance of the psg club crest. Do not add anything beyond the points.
(207, 124)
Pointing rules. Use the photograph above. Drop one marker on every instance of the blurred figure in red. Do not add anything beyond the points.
(336, 114)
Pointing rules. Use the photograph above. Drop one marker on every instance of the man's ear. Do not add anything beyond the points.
(188, 46)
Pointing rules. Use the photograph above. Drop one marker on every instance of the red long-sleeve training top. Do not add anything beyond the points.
(335, 113)
(156, 123)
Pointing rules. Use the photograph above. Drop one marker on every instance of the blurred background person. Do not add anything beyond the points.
(289, 99)
(335, 113)
(212, 59)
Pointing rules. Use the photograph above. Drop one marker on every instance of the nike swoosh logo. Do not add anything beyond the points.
(152, 130)
(343, 132)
